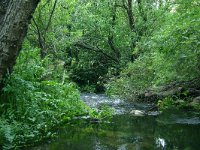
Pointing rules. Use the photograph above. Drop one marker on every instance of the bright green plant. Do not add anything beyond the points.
(133, 80)
(167, 103)
(170, 54)
(31, 105)
(103, 113)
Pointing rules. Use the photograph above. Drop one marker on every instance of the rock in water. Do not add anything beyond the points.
(137, 112)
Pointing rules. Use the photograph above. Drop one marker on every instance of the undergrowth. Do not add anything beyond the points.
(33, 107)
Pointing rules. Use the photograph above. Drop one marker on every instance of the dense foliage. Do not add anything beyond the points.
(127, 46)
(170, 54)
(32, 107)
(94, 40)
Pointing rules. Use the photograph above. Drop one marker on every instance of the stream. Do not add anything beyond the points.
(172, 130)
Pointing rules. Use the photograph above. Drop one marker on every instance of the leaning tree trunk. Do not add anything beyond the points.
(15, 16)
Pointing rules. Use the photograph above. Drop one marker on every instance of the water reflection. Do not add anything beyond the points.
(126, 133)
(167, 131)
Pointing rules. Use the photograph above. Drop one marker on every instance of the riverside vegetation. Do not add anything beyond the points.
(142, 50)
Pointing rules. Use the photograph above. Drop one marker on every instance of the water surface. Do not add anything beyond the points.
(171, 130)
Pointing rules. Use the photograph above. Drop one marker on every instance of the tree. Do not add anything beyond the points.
(14, 19)
(42, 21)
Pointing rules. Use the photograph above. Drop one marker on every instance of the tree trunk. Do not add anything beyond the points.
(14, 19)
(131, 18)
(111, 42)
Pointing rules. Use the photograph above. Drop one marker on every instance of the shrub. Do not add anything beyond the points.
(32, 107)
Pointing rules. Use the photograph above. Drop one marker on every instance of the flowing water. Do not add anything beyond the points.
(167, 131)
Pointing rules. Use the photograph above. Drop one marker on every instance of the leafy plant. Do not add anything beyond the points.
(170, 53)
(167, 103)
(32, 106)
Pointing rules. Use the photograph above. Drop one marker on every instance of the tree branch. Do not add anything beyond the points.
(51, 15)
(96, 49)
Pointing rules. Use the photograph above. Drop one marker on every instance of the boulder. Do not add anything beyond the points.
(195, 101)
(137, 112)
